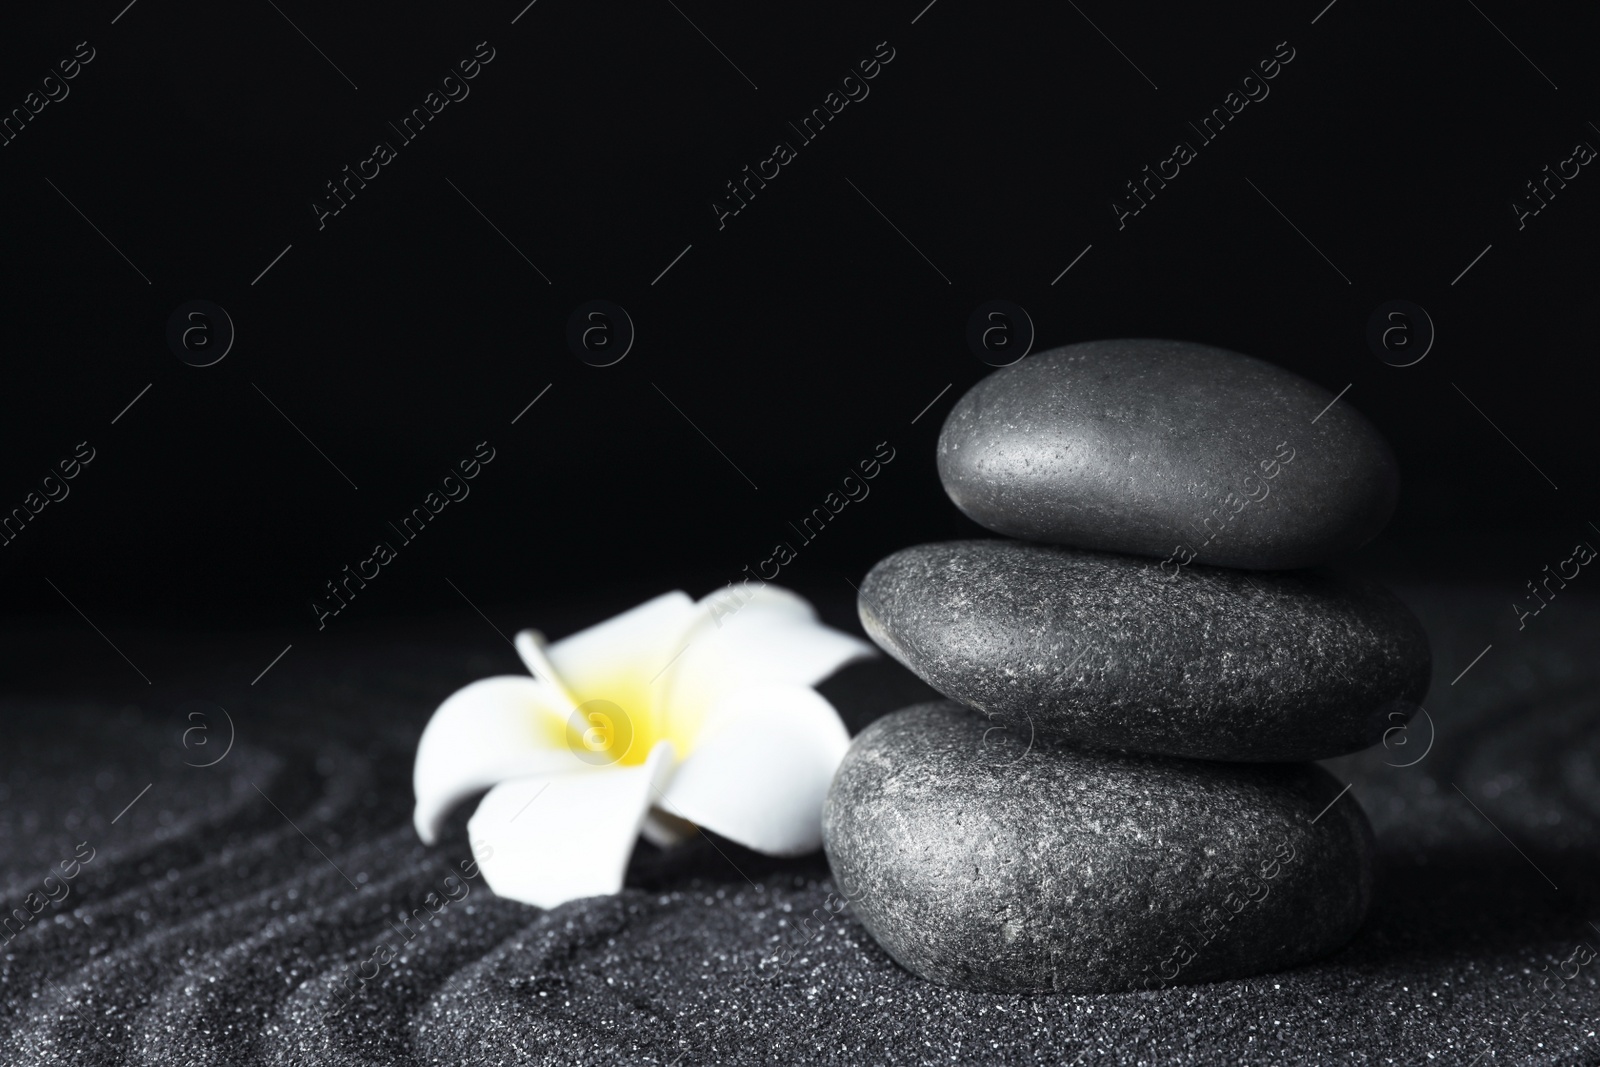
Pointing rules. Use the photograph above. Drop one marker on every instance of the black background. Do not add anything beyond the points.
(797, 338)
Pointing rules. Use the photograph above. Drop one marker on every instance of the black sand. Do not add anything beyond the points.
(221, 910)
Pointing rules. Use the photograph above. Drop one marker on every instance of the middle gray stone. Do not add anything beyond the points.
(1110, 651)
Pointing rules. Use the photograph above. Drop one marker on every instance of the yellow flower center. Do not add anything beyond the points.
(622, 726)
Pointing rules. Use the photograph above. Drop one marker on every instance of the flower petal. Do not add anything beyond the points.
(547, 840)
(761, 769)
(626, 651)
(750, 634)
(493, 729)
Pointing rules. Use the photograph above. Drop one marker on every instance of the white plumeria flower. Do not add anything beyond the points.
(672, 715)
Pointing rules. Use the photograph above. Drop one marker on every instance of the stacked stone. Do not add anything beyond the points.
(1119, 793)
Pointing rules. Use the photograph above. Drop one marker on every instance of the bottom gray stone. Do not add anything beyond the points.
(986, 864)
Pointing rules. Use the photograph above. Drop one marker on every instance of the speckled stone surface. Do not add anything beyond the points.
(1054, 871)
(1171, 449)
(208, 931)
(1107, 650)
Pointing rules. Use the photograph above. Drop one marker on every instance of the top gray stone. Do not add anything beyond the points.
(1169, 449)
